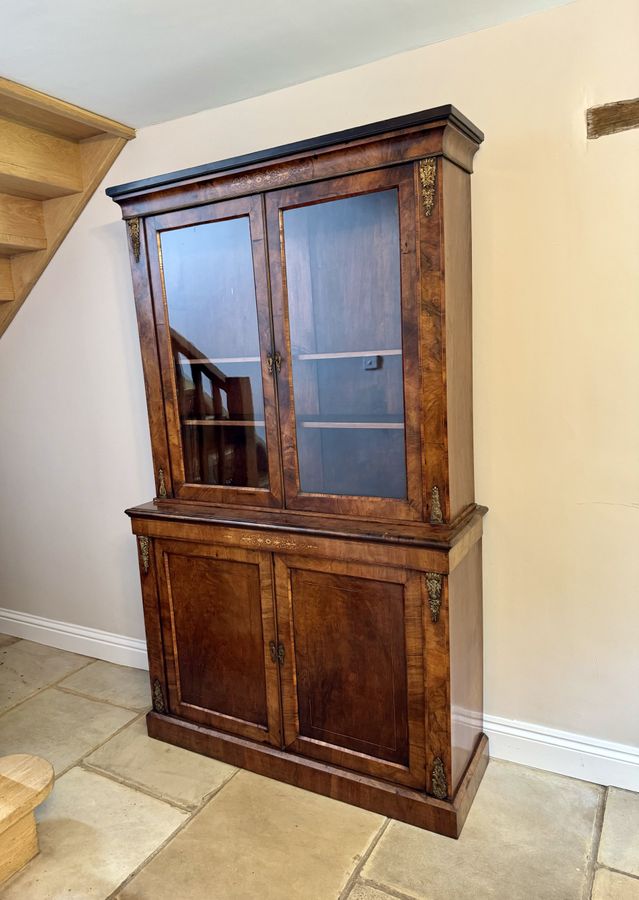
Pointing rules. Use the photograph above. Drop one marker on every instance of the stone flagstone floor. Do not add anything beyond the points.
(136, 819)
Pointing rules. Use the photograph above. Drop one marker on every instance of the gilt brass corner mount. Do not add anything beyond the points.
(439, 785)
(434, 583)
(143, 542)
(428, 181)
(158, 697)
(436, 515)
(134, 234)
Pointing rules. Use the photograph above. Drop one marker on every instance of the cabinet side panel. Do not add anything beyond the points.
(466, 659)
(458, 318)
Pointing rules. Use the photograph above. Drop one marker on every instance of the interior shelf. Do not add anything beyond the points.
(216, 361)
(350, 354)
(378, 425)
(233, 422)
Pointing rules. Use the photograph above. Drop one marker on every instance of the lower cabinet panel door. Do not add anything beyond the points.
(218, 622)
(353, 672)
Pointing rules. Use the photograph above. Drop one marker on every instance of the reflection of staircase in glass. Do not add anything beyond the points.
(221, 444)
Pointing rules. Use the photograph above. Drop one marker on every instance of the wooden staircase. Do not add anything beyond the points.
(53, 156)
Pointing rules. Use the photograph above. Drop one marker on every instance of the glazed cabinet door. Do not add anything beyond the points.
(353, 669)
(216, 607)
(208, 274)
(342, 255)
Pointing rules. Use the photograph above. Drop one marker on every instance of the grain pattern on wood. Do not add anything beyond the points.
(458, 337)
(52, 157)
(394, 800)
(420, 534)
(391, 554)
(417, 121)
(23, 104)
(432, 348)
(96, 155)
(612, 117)
(373, 153)
(218, 624)
(7, 294)
(18, 845)
(36, 164)
(25, 781)
(21, 225)
(437, 665)
(358, 672)
(352, 683)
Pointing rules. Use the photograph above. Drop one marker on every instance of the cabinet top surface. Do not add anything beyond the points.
(438, 114)
(419, 535)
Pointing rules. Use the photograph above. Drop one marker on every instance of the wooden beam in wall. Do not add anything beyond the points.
(612, 117)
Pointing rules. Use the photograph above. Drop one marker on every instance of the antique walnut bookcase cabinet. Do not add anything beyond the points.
(311, 565)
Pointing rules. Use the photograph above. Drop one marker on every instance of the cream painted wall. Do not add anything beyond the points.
(555, 228)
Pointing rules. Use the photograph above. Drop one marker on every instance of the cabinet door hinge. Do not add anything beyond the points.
(143, 542)
(158, 697)
(434, 583)
(439, 786)
(277, 652)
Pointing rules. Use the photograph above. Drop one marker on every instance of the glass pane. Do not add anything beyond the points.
(210, 295)
(344, 298)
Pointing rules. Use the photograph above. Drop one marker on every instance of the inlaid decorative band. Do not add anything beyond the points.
(273, 543)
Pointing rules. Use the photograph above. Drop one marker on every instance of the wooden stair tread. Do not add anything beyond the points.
(25, 781)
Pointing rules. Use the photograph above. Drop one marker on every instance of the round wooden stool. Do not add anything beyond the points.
(25, 781)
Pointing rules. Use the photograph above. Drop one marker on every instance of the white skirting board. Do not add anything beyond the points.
(589, 759)
(115, 648)
(564, 752)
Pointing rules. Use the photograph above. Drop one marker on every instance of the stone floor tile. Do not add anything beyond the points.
(26, 668)
(116, 684)
(6, 639)
(60, 727)
(619, 845)
(612, 886)
(168, 772)
(93, 833)
(261, 839)
(363, 891)
(528, 834)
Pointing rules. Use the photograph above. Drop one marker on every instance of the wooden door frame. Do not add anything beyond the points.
(400, 177)
(273, 733)
(413, 775)
(250, 207)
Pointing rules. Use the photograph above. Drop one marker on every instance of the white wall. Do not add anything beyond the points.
(556, 274)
